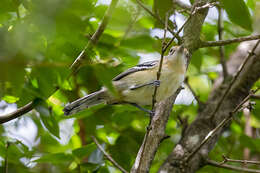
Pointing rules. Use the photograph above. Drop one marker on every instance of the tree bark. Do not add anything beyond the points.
(156, 133)
(200, 128)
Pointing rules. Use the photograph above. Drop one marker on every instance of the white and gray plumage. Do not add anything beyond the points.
(136, 85)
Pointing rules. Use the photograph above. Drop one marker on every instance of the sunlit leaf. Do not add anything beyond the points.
(235, 10)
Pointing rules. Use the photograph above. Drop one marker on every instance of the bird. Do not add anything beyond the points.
(135, 86)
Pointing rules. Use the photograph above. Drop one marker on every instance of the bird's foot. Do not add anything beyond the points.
(156, 83)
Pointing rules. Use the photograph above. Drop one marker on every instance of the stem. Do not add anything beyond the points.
(235, 168)
(226, 42)
(108, 156)
(221, 48)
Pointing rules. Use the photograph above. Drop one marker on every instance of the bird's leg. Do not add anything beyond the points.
(151, 113)
(154, 83)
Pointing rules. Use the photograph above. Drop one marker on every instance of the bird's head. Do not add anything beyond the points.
(179, 52)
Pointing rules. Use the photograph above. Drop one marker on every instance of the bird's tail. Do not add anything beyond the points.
(85, 102)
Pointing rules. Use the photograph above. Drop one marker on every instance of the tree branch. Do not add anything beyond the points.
(228, 118)
(212, 133)
(250, 54)
(163, 109)
(202, 126)
(19, 112)
(163, 49)
(235, 168)
(256, 96)
(221, 48)
(150, 144)
(154, 136)
(226, 42)
(95, 37)
(239, 161)
(108, 156)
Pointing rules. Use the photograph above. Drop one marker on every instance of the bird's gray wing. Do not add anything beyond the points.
(139, 67)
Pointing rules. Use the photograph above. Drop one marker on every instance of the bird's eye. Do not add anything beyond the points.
(172, 51)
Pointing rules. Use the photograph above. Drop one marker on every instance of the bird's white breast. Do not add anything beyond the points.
(170, 80)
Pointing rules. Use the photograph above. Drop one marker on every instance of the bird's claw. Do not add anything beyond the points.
(157, 83)
(151, 113)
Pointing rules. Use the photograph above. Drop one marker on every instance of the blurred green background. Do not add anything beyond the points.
(40, 39)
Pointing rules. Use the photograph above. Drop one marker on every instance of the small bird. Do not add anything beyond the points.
(135, 86)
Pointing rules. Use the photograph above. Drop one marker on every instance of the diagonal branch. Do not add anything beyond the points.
(202, 125)
(221, 48)
(19, 112)
(228, 118)
(142, 163)
(155, 136)
(161, 61)
(220, 125)
(94, 39)
(239, 161)
(250, 54)
(226, 42)
(256, 96)
(108, 156)
(235, 168)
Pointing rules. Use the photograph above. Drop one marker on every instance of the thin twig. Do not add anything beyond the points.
(182, 4)
(225, 42)
(156, 87)
(235, 168)
(19, 112)
(163, 50)
(256, 96)
(221, 48)
(226, 159)
(220, 125)
(74, 67)
(159, 20)
(234, 79)
(200, 103)
(196, 9)
(95, 37)
(207, 5)
(247, 130)
(108, 156)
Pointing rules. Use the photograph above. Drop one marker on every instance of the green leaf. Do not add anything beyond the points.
(48, 119)
(161, 9)
(140, 42)
(238, 13)
(86, 167)
(196, 59)
(84, 151)
(10, 99)
(101, 71)
(55, 158)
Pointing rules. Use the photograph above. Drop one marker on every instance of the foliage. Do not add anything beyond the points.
(39, 40)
